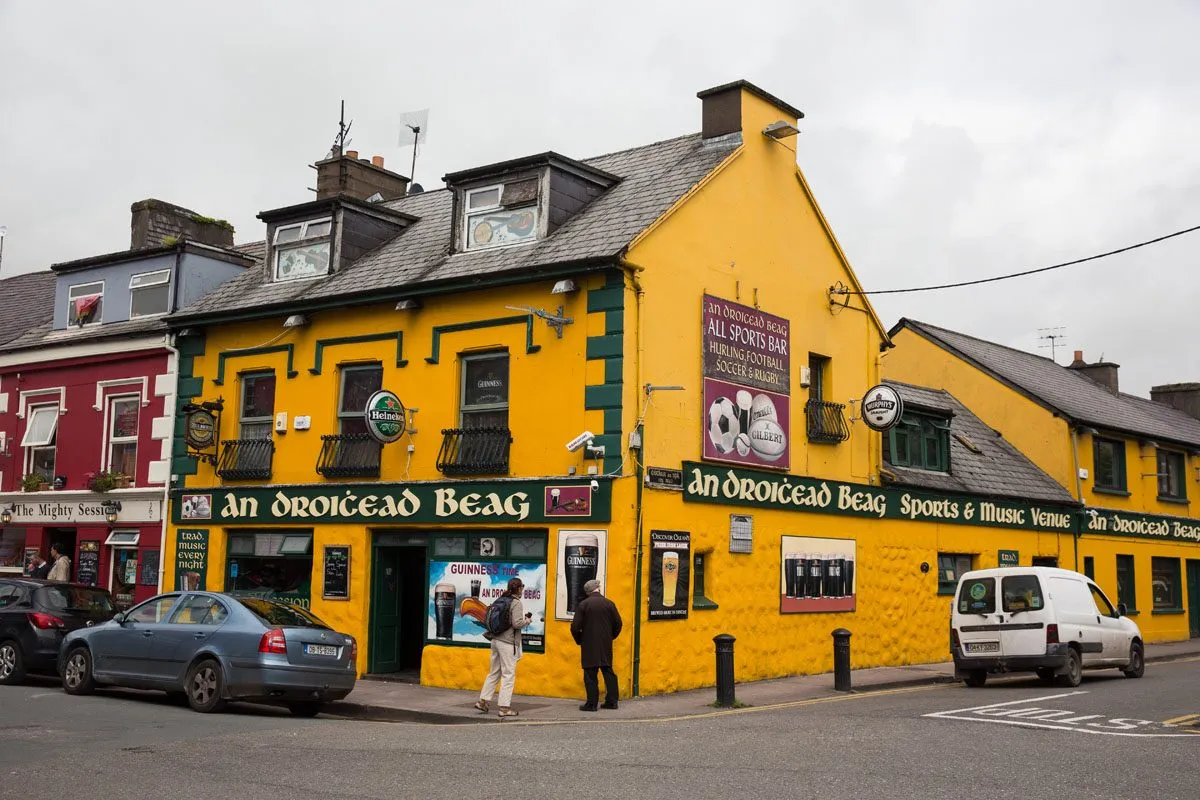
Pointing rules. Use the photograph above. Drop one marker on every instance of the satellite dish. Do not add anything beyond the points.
(416, 188)
(414, 126)
(375, 198)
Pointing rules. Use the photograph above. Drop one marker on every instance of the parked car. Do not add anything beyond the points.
(1054, 622)
(214, 647)
(36, 615)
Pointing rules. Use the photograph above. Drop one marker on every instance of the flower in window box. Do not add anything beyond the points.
(34, 483)
(103, 481)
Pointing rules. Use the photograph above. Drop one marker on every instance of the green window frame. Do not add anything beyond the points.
(1126, 582)
(1089, 567)
(1172, 471)
(920, 441)
(700, 602)
(951, 566)
(1165, 583)
(1108, 464)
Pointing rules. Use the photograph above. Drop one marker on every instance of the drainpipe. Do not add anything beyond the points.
(633, 270)
(1078, 491)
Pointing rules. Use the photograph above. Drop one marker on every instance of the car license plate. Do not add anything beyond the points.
(320, 650)
(983, 647)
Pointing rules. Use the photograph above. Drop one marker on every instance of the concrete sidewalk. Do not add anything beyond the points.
(404, 702)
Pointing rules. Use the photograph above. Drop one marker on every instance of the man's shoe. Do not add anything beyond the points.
(587, 707)
(609, 705)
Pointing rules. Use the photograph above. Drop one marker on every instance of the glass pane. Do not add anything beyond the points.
(484, 419)
(534, 547)
(493, 228)
(267, 544)
(486, 198)
(85, 290)
(256, 430)
(352, 426)
(39, 431)
(150, 279)
(977, 596)
(62, 598)
(316, 229)
(258, 396)
(295, 545)
(151, 300)
(1022, 593)
(124, 422)
(280, 614)
(241, 545)
(304, 261)
(199, 610)
(1125, 585)
(123, 458)
(12, 542)
(84, 309)
(1164, 580)
(43, 463)
(1102, 604)
(124, 576)
(450, 546)
(1106, 464)
(358, 384)
(518, 192)
(288, 234)
(153, 611)
(485, 381)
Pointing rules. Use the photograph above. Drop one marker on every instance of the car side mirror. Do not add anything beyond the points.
(1122, 610)
(119, 618)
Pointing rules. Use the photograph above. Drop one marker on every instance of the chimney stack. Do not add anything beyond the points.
(1183, 396)
(1102, 372)
(742, 107)
(155, 223)
(358, 177)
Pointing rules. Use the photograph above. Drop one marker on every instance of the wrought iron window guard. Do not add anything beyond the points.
(351, 455)
(242, 459)
(826, 422)
(474, 451)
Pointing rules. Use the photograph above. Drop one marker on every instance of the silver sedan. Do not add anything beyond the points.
(213, 647)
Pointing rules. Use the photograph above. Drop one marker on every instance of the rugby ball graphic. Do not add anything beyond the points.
(762, 407)
(767, 439)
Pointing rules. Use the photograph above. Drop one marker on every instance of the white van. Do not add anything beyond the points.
(1039, 619)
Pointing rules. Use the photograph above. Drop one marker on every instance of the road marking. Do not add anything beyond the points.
(1182, 720)
(1051, 719)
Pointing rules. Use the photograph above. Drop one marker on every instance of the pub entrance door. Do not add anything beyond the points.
(398, 611)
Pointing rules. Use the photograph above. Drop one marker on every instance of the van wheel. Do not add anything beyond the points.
(975, 678)
(1137, 662)
(1047, 674)
(1074, 672)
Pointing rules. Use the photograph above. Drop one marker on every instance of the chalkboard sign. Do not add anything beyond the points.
(149, 568)
(337, 572)
(88, 569)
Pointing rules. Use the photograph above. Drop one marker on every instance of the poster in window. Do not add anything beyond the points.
(337, 573)
(461, 591)
(670, 571)
(191, 558)
(582, 556)
(816, 575)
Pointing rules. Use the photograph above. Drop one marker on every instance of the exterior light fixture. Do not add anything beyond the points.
(565, 286)
(408, 304)
(780, 130)
(6, 516)
(111, 509)
(295, 321)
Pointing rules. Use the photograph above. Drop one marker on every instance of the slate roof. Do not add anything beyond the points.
(1071, 394)
(997, 470)
(652, 177)
(26, 302)
(44, 335)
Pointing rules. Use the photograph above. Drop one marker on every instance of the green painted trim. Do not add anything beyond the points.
(614, 321)
(184, 465)
(1117, 492)
(703, 604)
(319, 352)
(604, 347)
(612, 421)
(605, 299)
(614, 370)
(606, 395)
(522, 319)
(189, 388)
(227, 355)
(614, 277)
(1167, 612)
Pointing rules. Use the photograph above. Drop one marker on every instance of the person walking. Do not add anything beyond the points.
(38, 566)
(61, 571)
(597, 623)
(506, 651)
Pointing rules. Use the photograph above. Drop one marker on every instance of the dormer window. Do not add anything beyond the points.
(85, 303)
(501, 214)
(150, 294)
(302, 250)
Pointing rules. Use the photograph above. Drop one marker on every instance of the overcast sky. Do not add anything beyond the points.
(945, 141)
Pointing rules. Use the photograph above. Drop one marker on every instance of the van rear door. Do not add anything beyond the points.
(1023, 616)
(975, 614)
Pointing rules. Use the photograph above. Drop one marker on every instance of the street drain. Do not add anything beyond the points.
(138, 749)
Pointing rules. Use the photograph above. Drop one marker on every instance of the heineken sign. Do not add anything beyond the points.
(386, 417)
(710, 484)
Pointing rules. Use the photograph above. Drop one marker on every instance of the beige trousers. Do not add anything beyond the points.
(503, 672)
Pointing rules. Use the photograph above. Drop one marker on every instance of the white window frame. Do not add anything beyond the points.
(161, 276)
(49, 441)
(305, 238)
(243, 420)
(468, 212)
(72, 297)
(109, 439)
(120, 539)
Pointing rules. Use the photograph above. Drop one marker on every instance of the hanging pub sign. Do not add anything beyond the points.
(201, 423)
(882, 407)
(386, 417)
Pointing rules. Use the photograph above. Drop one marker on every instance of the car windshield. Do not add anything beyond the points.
(75, 598)
(281, 614)
(1022, 593)
(977, 596)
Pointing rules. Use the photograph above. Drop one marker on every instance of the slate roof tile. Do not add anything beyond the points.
(26, 302)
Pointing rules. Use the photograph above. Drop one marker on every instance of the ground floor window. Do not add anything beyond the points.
(1164, 580)
(124, 576)
(271, 564)
(951, 566)
(1125, 583)
(12, 549)
(1089, 567)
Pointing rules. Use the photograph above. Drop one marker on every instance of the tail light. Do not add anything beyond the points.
(1052, 633)
(44, 621)
(954, 643)
(353, 652)
(273, 641)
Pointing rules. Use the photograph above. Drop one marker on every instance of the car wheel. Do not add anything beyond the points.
(308, 709)
(1137, 661)
(1047, 674)
(205, 685)
(975, 678)
(1074, 674)
(12, 666)
(77, 672)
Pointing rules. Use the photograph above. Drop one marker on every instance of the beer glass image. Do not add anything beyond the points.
(789, 574)
(443, 610)
(581, 562)
(824, 574)
(670, 577)
(475, 587)
(849, 577)
(816, 570)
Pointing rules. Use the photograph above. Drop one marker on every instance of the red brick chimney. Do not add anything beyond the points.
(1102, 372)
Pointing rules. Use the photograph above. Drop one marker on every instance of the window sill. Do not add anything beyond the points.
(1167, 611)
(1132, 612)
(1107, 490)
(1182, 501)
(947, 590)
(701, 603)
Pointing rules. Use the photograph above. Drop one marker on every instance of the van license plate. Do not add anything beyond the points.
(983, 647)
(320, 650)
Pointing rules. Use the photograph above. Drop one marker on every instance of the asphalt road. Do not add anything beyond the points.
(1110, 738)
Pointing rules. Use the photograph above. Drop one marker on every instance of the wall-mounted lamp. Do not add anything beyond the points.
(1089, 431)
(111, 509)
(295, 321)
(651, 388)
(565, 286)
(408, 304)
(6, 516)
(187, 332)
(780, 130)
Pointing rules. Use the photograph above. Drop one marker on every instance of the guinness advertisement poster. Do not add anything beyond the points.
(670, 573)
(461, 591)
(816, 575)
(581, 557)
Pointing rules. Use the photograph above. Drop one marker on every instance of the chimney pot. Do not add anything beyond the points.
(352, 154)
(377, 161)
(1078, 358)
(350, 175)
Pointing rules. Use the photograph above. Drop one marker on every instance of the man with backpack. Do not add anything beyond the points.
(596, 624)
(505, 619)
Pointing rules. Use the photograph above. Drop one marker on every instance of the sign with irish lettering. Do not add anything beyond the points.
(191, 559)
(746, 346)
(461, 591)
(1148, 526)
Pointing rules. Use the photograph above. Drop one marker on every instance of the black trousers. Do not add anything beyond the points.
(592, 686)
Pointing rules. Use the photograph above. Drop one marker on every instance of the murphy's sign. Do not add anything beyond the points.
(708, 484)
(482, 502)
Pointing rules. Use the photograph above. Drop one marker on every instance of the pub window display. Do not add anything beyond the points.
(277, 566)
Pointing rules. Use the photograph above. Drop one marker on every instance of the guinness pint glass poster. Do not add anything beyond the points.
(461, 591)
(581, 557)
(816, 575)
(670, 569)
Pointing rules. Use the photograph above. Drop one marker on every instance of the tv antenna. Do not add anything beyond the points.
(417, 124)
(343, 135)
(1051, 336)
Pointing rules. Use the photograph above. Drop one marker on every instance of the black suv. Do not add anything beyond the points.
(35, 615)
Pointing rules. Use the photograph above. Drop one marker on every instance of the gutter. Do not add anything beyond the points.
(633, 270)
(1078, 490)
(172, 368)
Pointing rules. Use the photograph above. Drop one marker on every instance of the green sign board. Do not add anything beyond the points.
(191, 558)
(1147, 526)
(1008, 558)
(704, 483)
(477, 502)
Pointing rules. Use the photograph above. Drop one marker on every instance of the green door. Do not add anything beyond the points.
(1193, 597)
(385, 612)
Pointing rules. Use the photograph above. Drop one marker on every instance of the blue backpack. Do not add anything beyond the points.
(499, 615)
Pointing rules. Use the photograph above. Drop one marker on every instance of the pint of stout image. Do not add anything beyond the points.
(789, 575)
(848, 576)
(475, 583)
(443, 609)
(816, 574)
(581, 563)
(670, 577)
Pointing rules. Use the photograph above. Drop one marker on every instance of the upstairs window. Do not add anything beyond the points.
(1108, 458)
(85, 303)
(302, 250)
(122, 434)
(485, 391)
(41, 428)
(258, 405)
(921, 441)
(500, 215)
(358, 384)
(150, 294)
(1171, 484)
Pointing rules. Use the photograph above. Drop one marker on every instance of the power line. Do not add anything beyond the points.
(1146, 243)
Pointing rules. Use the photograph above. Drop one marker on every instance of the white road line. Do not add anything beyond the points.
(1010, 703)
(1024, 724)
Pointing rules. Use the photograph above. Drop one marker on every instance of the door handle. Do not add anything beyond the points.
(199, 635)
(147, 634)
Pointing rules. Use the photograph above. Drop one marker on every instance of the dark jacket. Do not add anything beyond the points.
(597, 622)
(41, 571)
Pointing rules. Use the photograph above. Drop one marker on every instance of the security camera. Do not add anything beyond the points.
(580, 440)
(595, 485)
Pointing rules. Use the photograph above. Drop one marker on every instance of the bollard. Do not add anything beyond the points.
(724, 644)
(841, 660)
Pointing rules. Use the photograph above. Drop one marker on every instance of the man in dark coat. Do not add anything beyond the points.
(597, 623)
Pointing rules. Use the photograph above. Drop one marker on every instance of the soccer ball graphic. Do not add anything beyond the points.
(723, 425)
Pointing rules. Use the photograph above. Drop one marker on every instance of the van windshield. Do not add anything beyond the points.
(1022, 593)
(977, 596)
